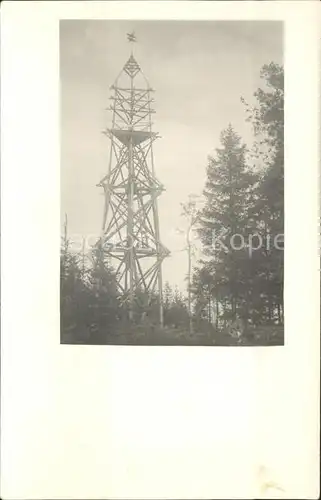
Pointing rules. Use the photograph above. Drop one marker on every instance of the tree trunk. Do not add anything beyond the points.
(216, 316)
(189, 282)
(279, 313)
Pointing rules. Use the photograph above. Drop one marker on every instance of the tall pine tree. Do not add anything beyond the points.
(267, 118)
(224, 222)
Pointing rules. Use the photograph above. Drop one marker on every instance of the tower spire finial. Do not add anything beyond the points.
(131, 37)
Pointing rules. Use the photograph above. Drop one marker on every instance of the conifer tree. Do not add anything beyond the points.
(267, 118)
(224, 220)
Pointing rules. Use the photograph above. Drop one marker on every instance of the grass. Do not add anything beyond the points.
(154, 336)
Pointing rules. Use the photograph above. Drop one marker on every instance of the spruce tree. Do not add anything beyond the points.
(267, 118)
(224, 221)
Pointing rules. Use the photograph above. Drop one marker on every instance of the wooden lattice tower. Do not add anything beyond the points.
(130, 236)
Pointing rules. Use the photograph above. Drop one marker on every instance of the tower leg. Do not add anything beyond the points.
(130, 242)
(160, 298)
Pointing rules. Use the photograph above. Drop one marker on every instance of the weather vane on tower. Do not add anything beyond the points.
(131, 37)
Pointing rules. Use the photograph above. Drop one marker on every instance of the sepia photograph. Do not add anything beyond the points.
(160, 313)
(172, 183)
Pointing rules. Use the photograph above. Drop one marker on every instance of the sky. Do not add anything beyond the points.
(199, 71)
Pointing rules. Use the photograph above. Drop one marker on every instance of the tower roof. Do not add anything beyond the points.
(132, 67)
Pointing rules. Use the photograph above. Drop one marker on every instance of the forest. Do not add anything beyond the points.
(234, 293)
